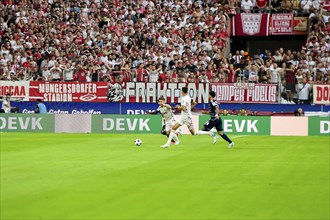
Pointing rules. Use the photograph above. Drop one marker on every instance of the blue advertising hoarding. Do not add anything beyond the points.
(141, 108)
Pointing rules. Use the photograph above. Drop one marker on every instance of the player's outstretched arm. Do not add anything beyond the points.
(153, 112)
(182, 107)
(167, 106)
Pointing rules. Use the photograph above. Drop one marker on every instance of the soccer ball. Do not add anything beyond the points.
(138, 142)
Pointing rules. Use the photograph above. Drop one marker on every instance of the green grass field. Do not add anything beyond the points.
(99, 176)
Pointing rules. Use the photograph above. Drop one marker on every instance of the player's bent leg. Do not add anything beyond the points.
(172, 134)
(193, 132)
(176, 139)
(226, 138)
(178, 132)
(202, 132)
(205, 130)
(176, 126)
(168, 135)
(163, 131)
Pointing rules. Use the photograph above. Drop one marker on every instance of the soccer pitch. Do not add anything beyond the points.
(100, 176)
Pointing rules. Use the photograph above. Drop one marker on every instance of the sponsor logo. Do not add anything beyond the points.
(74, 111)
(21, 123)
(325, 127)
(137, 111)
(126, 124)
(248, 126)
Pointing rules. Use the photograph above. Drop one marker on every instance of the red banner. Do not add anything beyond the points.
(245, 92)
(282, 24)
(69, 91)
(246, 24)
(150, 92)
(321, 94)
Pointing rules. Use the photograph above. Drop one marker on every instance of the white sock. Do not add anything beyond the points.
(172, 134)
(202, 132)
(175, 137)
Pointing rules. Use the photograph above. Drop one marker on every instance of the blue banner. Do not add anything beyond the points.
(142, 108)
(71, 107)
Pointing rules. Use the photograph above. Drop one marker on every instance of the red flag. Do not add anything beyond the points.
(247, 24)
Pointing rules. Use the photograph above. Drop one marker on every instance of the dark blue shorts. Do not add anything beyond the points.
(213, 123)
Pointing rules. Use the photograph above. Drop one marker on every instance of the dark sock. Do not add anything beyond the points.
(225, 137)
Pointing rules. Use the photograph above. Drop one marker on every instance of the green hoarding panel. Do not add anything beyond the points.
(244, 125)
(126, 124)
(318, 126)
(26, 122)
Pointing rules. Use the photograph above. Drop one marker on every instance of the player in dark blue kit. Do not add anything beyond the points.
(215, 120)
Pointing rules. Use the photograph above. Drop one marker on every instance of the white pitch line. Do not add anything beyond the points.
(239, 136)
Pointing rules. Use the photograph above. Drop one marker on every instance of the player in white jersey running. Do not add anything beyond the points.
(186, 116)
(168, 117)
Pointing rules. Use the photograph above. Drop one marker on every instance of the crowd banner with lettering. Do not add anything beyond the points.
(321, 94)
(245, 93)
(18, 90)
(282, 24)
(69, 91)
(150, 92)
(300, 25)
(246, 24)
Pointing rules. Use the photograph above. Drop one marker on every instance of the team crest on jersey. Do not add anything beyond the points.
(251, 23)
(115, 93)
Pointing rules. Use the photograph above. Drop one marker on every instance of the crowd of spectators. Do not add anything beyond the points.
(154, 41)
(108, 40)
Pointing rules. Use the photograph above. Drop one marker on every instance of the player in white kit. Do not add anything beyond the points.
(186, 116)
(168, 117)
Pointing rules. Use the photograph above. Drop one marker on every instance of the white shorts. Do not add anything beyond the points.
(169, 124)
(187, 121)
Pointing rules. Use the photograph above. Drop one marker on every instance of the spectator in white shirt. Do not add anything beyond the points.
(246, 6)
(303, 89)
